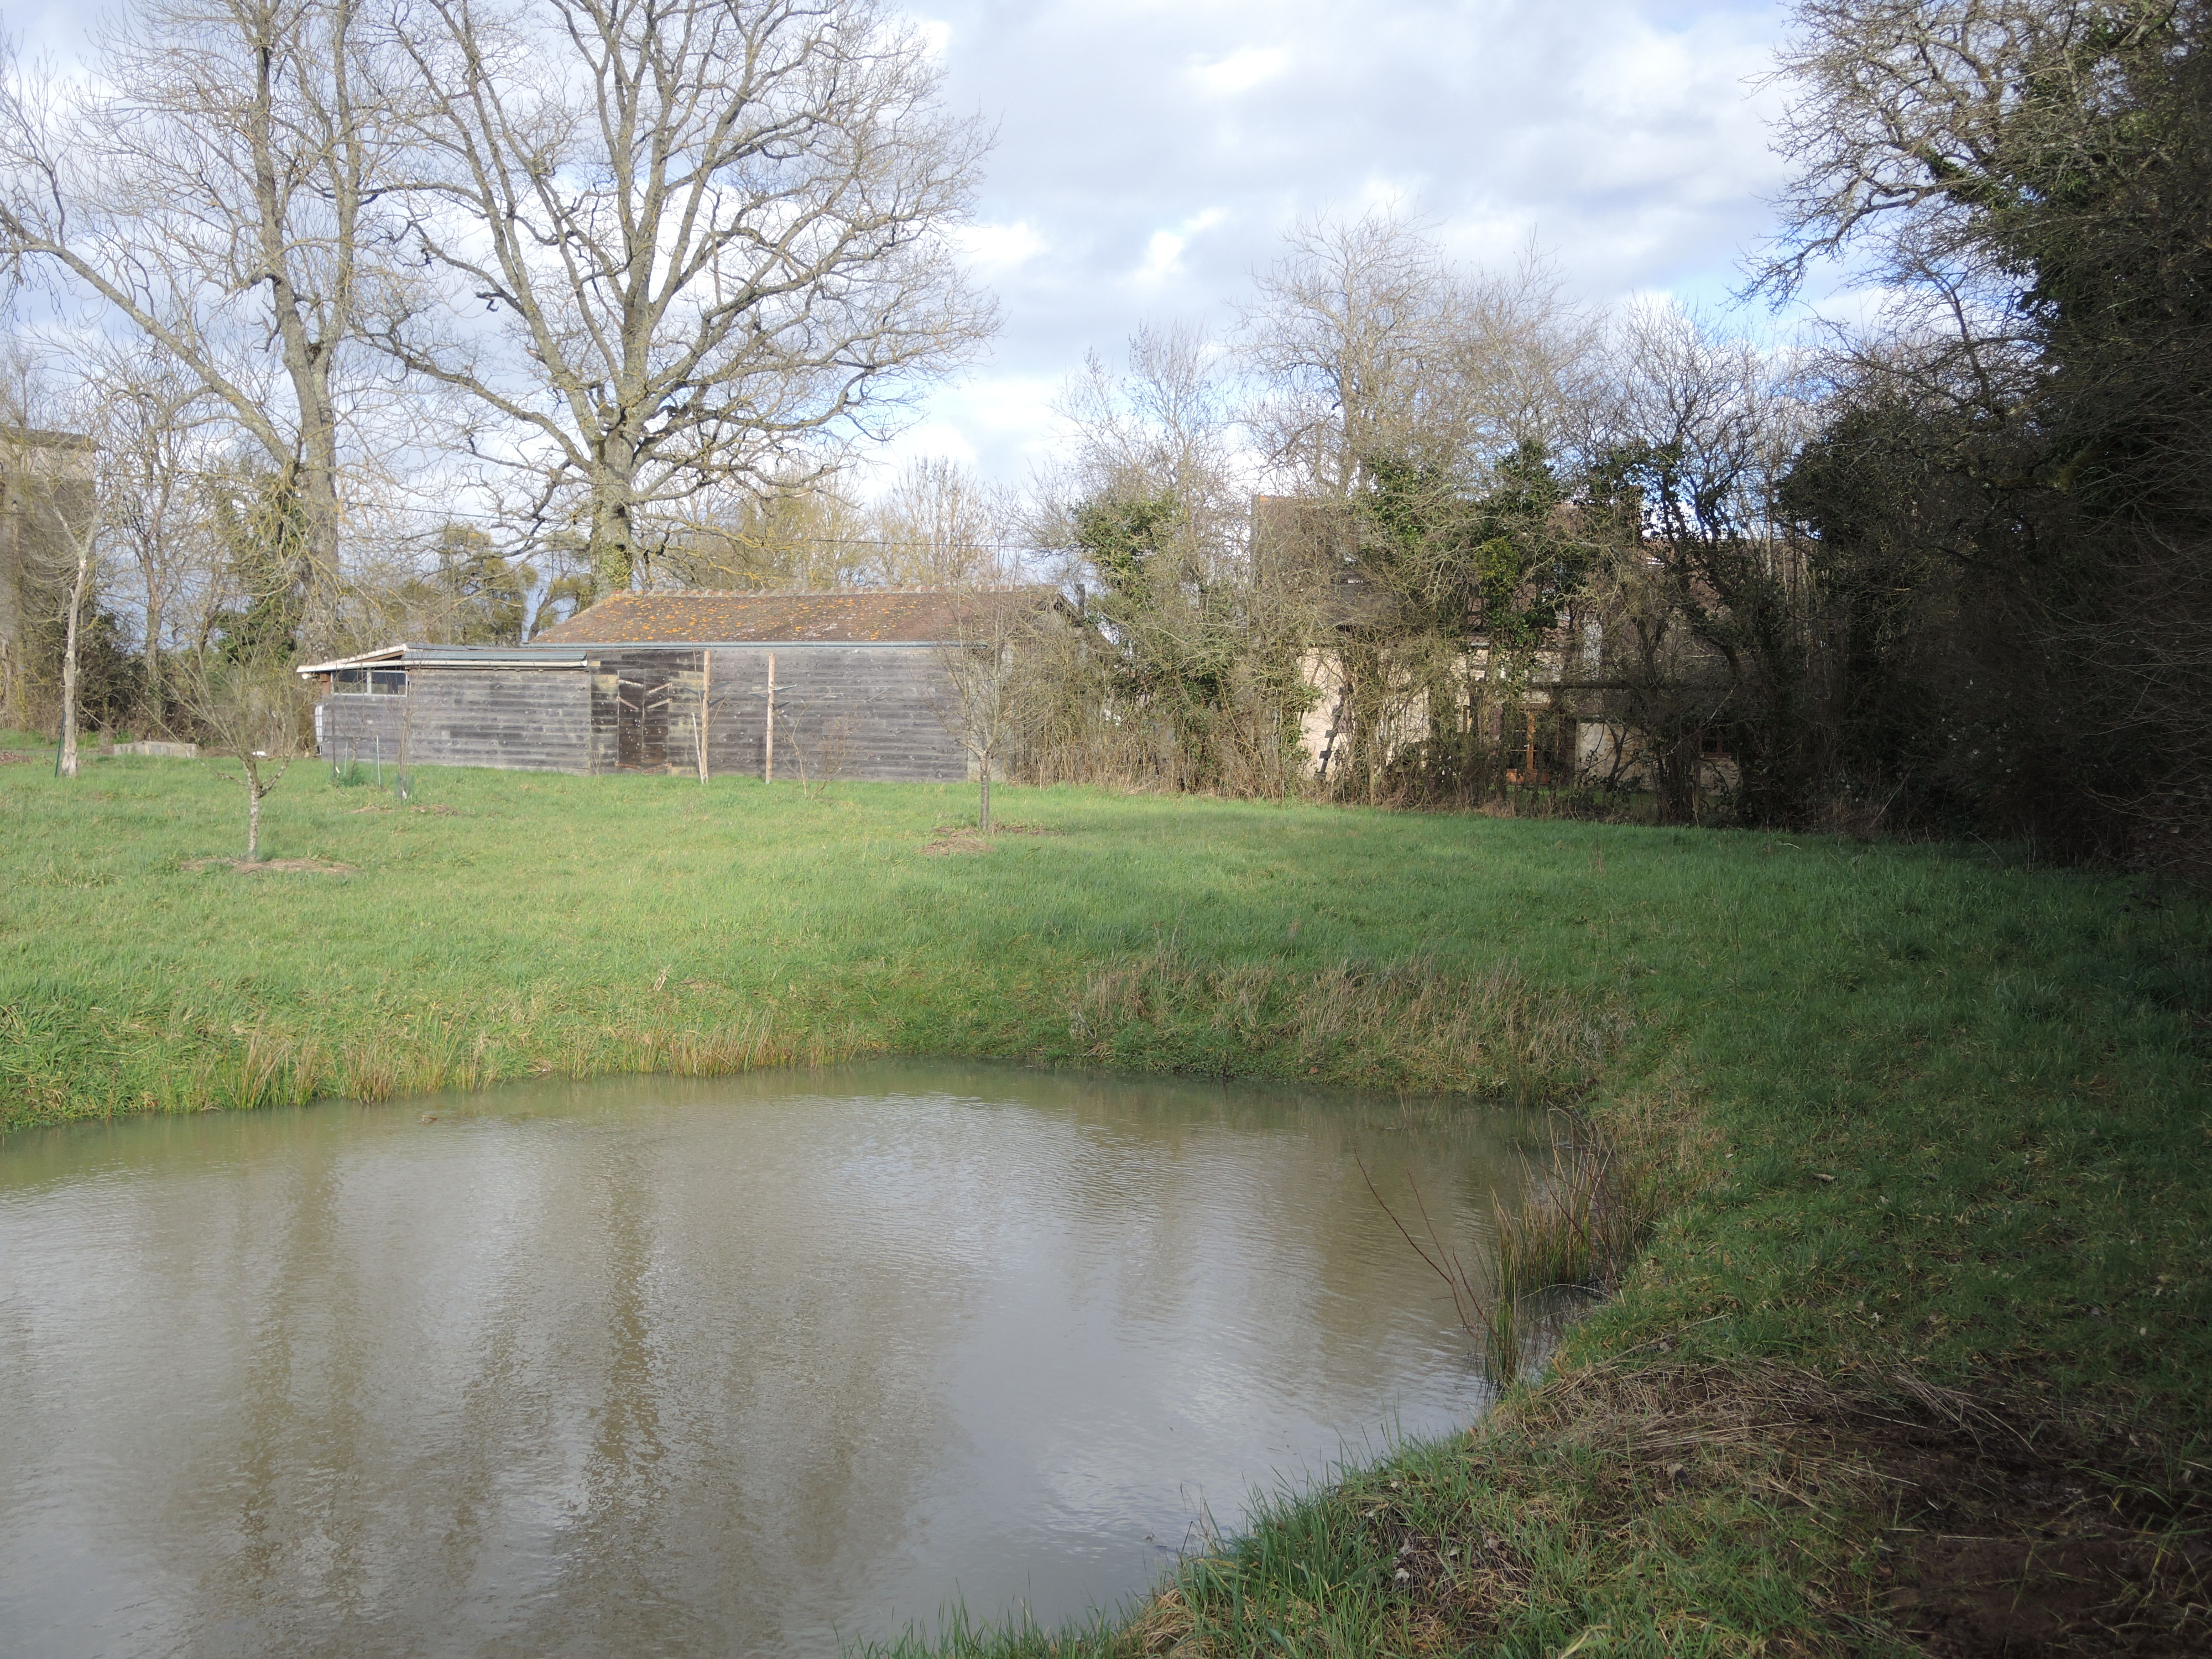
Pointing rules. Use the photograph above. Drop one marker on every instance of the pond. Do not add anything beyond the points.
(759, 1365)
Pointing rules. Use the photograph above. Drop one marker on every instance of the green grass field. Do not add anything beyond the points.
(1929, 1133)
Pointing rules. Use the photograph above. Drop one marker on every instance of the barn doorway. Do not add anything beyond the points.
(641, 697)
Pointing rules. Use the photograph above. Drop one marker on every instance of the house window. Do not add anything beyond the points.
(1712, 744)
(368, 682)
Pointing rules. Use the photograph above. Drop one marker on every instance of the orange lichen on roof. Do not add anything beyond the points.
(880, 618)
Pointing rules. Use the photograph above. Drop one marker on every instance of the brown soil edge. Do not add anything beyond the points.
(1994, 1535)
(1989, 1541)
(272, 866)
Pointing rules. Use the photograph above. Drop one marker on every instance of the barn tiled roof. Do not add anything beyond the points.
(882, 618)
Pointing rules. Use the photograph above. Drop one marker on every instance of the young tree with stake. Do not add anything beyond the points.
(249, 712)
(981, 702)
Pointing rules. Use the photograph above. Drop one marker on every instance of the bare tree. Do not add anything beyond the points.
(154, 461)
(981, 704)
(1186, 671)
(213, 182)
(249, 713)
(1714, 616)
(83, 536)
(1371, 345)
(62, 511)
(709, 235)
(805, 535)
(52, 534)
(940, 525)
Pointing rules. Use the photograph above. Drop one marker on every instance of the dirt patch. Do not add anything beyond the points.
(428, 811)
(20, 757)
(272, 866)
(1994, 1559)
(997, 829)
(950, 846)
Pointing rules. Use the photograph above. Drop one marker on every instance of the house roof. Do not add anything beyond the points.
(854, 618)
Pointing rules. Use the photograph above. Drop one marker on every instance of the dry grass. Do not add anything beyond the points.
(1535, 1533)
(1405, 1025)
(960, 842)
(268, 1066)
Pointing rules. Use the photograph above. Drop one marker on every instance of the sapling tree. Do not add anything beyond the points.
(249, 712)
(980, 702)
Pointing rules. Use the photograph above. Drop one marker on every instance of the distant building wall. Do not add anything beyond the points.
(866, 712)
(42, 475)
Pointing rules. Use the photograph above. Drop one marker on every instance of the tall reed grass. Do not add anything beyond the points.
(1586, 1213)
(1409, 1023)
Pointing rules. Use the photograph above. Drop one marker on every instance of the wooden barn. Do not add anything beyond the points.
(849, 686)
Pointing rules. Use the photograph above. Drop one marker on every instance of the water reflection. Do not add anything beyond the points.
(642, 1366)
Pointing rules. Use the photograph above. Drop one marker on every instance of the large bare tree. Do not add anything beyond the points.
(211, 181)
(1371, 344)
(941, 525)
(680, 242)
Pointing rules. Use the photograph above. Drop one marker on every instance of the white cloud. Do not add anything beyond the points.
(936, 35)
(1242, 70)
(1163, 253)
(995, 250)
(1624, 134)
(1150, 153)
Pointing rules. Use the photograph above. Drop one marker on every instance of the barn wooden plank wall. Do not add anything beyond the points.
(862, 711)
(857, 712)
(525, 718)
(360, 728)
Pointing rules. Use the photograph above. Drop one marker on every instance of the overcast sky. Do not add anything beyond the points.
(1151, 153)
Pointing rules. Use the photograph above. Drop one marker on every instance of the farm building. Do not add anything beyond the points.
(46, 495)
(851, 685)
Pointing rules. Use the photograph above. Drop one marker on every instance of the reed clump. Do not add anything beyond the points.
(1585, 1214)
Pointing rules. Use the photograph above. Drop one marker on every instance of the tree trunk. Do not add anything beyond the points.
(318, 494)
(67, 765)
(983, 811)
(152, 655)
(614, 558)
(253, 817)
(305, 351)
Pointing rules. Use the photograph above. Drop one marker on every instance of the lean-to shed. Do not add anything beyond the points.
(849, 686)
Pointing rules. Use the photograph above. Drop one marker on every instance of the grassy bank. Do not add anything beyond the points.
(1927, 1305)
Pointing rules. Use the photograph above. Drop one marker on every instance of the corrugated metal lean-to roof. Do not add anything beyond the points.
(884, 618)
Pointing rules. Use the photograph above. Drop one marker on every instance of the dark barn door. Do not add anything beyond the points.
(641, 719)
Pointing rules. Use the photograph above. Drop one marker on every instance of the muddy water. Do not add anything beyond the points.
(747, 1367)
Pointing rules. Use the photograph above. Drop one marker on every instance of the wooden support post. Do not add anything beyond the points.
(706, 693)
(767, 746)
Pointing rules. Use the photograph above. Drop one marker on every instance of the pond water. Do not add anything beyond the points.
(758, 1365)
